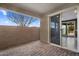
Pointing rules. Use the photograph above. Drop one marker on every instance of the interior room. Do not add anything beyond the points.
(39, 29)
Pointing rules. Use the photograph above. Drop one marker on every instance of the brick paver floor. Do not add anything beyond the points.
(36, 48)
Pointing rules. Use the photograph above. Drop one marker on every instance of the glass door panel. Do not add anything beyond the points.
(55, 29)
(69, 34)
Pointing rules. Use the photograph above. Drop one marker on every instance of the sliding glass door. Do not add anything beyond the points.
(69, 34)
(64, 29)
(55, 29)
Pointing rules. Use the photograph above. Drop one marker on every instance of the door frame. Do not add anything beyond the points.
(49, 28)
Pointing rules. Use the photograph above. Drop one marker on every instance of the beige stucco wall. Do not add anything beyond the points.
(12, 36)
(44, 29)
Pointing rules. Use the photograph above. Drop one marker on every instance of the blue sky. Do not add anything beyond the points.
(35, 23)
(5, 21)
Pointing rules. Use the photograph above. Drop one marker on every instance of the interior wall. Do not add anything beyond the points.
(13, 36)
(69, 14)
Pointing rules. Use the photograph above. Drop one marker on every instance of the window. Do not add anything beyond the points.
(69, 28)
(35, 22)
(10, 18)
(4, 20)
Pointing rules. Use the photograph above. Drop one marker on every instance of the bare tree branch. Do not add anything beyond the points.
(19, 19)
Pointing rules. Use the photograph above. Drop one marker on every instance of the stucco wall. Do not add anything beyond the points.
(44, 33)
(12, 36)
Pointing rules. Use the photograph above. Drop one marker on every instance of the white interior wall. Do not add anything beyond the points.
(69, 14)
(78, 28)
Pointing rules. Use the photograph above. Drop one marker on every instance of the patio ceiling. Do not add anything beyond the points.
(43, 8)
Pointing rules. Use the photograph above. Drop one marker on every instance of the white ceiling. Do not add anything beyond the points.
(41, 8)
